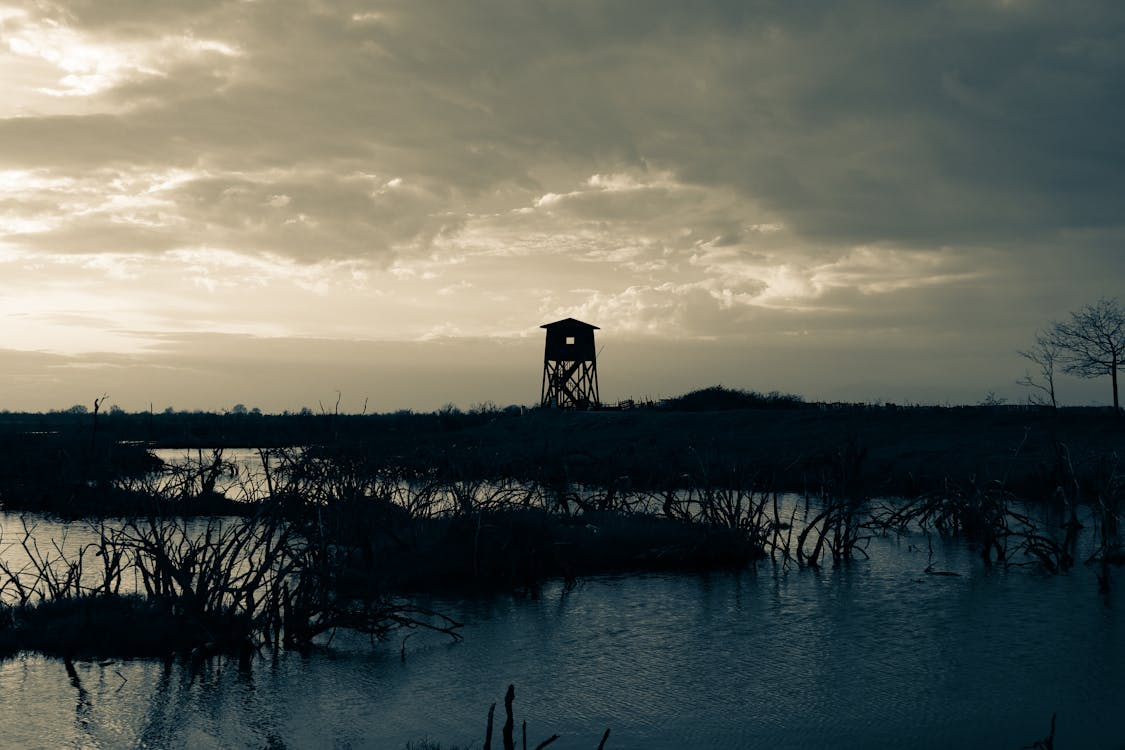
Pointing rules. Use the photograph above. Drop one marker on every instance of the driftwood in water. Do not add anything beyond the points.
(508, 731)
(509, 697)
(488, 728)
(1048, 742)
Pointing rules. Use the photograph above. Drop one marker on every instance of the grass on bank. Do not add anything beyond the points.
(68, 465)
(117, 626)
(522, 548)
(234, 585)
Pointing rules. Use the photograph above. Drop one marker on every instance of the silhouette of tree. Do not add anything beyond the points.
(1044, 354)
(1092, 343)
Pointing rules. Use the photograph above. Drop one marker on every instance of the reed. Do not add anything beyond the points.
(227, 585)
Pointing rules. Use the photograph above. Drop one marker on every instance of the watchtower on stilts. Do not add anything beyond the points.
(570, 367)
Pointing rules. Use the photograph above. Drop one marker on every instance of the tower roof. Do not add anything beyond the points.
(569, 323)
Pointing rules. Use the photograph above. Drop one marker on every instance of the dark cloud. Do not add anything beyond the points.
(865, 121)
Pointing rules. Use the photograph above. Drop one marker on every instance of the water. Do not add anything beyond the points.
(873, 655)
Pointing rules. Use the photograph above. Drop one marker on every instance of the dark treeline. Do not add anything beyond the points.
(242, 427)
(72, 462)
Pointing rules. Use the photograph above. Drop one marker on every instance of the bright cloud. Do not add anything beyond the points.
(69, 62)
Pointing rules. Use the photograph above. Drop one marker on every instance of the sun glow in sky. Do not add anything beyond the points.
(267, 202)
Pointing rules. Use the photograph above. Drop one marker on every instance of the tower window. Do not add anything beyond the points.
(570, 341)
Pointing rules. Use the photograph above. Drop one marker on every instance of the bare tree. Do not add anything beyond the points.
(98, 403)
(1044, 354)
(1092, 343)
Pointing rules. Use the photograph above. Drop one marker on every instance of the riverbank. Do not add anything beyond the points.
(885, 450)
(71, 463)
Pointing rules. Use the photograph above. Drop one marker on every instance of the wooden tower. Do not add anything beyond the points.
(570, 367)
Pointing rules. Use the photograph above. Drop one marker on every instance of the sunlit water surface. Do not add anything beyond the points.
(873, 655)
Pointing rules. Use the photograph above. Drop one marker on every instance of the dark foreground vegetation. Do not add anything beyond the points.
(345, 517)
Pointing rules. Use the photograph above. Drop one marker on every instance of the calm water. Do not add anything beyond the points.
(875, 655)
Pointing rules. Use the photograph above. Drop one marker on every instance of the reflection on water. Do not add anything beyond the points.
(873, 655)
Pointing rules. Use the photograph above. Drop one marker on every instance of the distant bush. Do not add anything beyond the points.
(718, 398)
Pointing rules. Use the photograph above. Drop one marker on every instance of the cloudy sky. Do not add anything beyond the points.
(269, 202)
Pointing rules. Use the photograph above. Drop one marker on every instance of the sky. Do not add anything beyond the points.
(280, 203)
